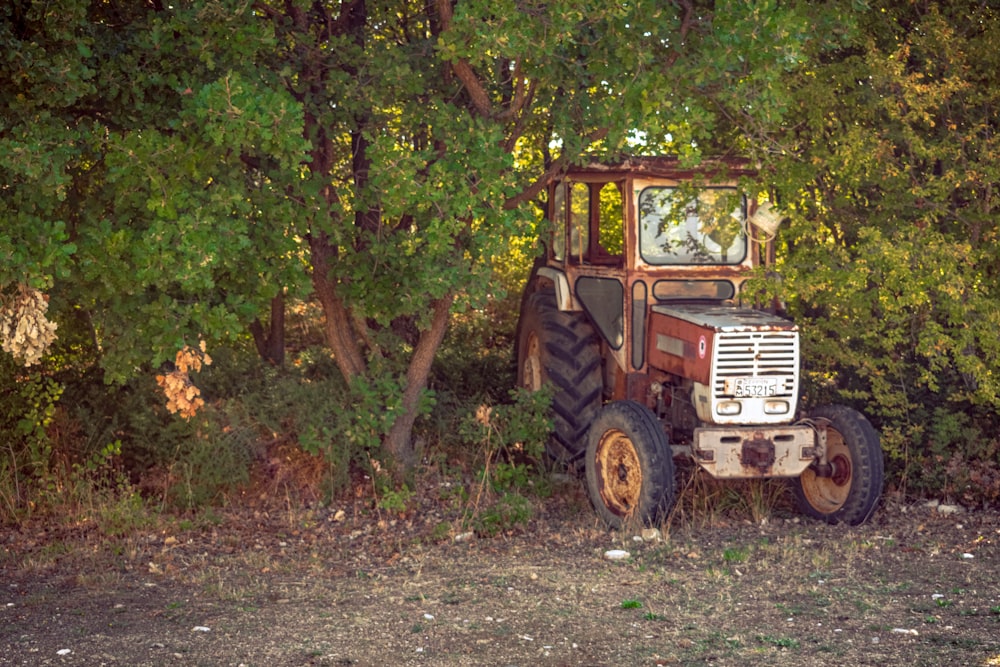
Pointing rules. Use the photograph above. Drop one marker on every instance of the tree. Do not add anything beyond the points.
(170, 169)
(442, 132)
(890, 174)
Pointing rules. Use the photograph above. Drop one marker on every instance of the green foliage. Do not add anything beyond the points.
(510, 512)
(734, 555)
(168, 170)
(890, 258)
(779, 642)
(395, 500)
(631, 604)
(27, 410)
(124, 197)
(208, 465)
(512, 438)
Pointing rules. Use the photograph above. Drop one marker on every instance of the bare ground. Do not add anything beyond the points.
(313, 587)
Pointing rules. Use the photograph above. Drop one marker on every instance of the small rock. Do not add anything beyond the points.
(63, 651)
(905, 631)
(464, 537)
(968, 556)
(616, 554)
(949, 509)
(200, 628)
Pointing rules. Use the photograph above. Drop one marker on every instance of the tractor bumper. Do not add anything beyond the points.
(755, 451)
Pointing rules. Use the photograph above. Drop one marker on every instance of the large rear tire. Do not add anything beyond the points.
(851, 491)
(561, 349)
(630, 468)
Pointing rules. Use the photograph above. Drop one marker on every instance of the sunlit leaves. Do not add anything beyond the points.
(891, 254)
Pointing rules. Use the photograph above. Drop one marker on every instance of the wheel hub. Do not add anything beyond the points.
(841, 470)
(619, 473)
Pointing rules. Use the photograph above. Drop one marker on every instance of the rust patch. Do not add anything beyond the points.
(758, 453)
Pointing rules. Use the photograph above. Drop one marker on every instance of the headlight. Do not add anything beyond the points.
(728, 408)
(775, 407)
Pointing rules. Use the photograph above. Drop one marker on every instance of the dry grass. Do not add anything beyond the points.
(286, 579)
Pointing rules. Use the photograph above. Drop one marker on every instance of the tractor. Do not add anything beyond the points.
(636, 320)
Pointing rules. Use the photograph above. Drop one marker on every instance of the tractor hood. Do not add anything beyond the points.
(719, 318)
(744, 363)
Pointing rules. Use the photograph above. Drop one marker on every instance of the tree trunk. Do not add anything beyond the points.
(340, 335)
(271, 343)
(398, 442)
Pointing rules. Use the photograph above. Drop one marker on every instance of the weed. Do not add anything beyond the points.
(395, 500)
(509, 512)
(441, 531)
(780, 642)
(512, 437)
(631, 604)
(734, 555)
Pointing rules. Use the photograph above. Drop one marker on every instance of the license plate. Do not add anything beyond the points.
(751, 387)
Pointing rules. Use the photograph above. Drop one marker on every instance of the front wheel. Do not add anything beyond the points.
(849, 488)
(630, 469)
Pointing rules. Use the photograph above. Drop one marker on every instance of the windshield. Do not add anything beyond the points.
(682, 226)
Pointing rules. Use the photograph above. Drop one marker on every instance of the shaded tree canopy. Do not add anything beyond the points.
(170, 168)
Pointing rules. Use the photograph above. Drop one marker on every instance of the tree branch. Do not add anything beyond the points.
(477, 94)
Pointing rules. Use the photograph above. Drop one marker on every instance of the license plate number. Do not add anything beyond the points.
(751, 387)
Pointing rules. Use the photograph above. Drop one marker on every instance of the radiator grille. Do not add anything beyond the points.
(757, 354)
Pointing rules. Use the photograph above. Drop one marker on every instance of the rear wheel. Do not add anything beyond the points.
(561, 349)
(849, 488)
(630, 469)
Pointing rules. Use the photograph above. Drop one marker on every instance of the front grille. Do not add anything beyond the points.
(757, 354)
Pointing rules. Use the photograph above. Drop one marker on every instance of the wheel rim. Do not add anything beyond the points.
(828, 494)
(531, 369)
(619, 474)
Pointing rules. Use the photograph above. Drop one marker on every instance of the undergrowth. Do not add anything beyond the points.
(77, 448)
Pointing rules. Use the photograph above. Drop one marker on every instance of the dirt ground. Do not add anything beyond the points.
(354, 586)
